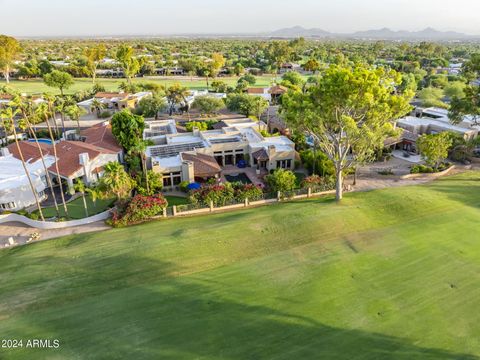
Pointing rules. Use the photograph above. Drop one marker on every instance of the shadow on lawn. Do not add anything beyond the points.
(131, 307)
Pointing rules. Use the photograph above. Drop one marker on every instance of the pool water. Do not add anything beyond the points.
(43, 141)
(238, 178)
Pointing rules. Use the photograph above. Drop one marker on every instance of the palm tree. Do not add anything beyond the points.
(43, 111)
(97, 106)
(116, 181)
(140, 149)
(81, 188)
(26, 110)
(95, 193)
(50, 99)
(74, 112)
(9, 114)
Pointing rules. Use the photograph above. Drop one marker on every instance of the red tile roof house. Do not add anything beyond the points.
(101, 135)
(75, 159)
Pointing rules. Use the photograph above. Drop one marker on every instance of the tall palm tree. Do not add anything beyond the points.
(81, 188)
(43, 112)
(50, 99)
(140, 149)
(26, 110)
(9, 114)
(95, 193)
(74, 112)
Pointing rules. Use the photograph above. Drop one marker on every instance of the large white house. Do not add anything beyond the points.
(198, 155)
(15, 190)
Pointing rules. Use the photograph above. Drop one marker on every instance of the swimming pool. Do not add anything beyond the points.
(43, 141)
(238, 178)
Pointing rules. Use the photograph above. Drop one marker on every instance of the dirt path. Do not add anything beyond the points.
(20, 232)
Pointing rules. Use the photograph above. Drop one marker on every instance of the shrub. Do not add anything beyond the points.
(219, 194)
(247, 191)
(318, 183)
(281, 180)
(184, 186)
(105, 114)
(138, 209)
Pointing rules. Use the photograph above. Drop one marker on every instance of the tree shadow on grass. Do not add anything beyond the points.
(128, 307)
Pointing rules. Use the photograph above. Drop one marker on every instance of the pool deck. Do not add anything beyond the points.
(248, 171)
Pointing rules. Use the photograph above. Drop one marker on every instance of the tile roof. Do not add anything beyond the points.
(67, 153)
(203, 165)
(101, 135)
(256, 91)
(110, 95)
(260, 154)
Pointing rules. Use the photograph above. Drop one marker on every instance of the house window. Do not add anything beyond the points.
(284, 164)
(7, 206)
(167, 181)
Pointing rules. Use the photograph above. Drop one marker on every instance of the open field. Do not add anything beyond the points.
(388, 274)
(36, 86)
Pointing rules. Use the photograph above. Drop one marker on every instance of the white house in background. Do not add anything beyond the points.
(432, 121)
(114, 100)
(199, 155)
(262, 92)
(15, 190)
(75, 159)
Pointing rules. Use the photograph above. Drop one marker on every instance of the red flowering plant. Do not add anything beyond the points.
(138, 209)
(318, 183)
(247, 191)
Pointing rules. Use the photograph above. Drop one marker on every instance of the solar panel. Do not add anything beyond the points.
(224, 140)
(165, 151)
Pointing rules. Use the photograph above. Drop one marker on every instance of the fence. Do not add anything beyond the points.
(267, 198)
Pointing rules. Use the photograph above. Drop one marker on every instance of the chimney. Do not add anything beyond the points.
(196, 131)
(84, 159)
(4, 151)
(271, 151)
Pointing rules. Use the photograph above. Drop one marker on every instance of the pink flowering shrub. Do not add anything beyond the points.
(138, 209)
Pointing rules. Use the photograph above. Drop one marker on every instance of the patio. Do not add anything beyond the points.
(250, 172)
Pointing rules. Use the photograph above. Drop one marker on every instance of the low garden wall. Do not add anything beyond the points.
(53, 224)
(428, 175)
(279, 198)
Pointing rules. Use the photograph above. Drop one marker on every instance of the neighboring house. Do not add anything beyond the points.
(101, 135)
(15, 190)
(75, 159)
(199, 155)
(114, 100)
(430, 121)
(286, 67)
(5, 99)
(271, 94)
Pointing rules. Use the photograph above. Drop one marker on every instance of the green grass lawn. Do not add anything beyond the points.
(76, 209)
(36, 86)
(389, 274)
(176, 200)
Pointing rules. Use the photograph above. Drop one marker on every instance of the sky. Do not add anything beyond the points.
(163, 17)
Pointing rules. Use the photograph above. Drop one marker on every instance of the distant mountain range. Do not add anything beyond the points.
(380, 34)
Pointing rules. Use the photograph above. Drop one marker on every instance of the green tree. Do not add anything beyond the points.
(74, 112)
(455, 89)
(246, 105)
(127, 129)
(9, 50)
(469, 105)
(176, 95)
(94, 55)
(130, 65)
(150, 106)
(311, 65)
(115, 182)
(432, 97)
(59, 79)
(281, 180)
(434, 148)
(345, 107)
(208, 105)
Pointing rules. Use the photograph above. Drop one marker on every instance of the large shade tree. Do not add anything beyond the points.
(126, 57)
(9, 50)
(347, 111)
(59, 79)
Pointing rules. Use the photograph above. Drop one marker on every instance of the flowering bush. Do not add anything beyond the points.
(222, 194)
(318, 183)
(219, 194)
(244, 191)
(137, 209)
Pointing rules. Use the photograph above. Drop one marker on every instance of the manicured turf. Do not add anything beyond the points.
(390, 274)
(36, 86)
(76, 209)
(176, 200)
